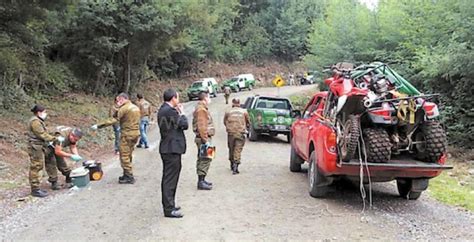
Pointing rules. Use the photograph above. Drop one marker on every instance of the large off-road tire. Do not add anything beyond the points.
(350, 138)
(433, 142)
(377, 145)
(315, 177)
(295, 161)
(404, 187)
(253, 136)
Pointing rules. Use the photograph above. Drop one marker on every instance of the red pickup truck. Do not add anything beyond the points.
(314, 140)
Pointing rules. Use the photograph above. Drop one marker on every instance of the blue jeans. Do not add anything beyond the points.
(144, 122)
(117, 137)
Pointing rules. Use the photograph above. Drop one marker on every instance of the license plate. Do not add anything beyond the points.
(280, 127)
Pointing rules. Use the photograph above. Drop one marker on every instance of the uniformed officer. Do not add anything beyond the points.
(55, 155)
(38, 139)
(145, 113)
(203, 127)
(227, 92)
(128, 116)
(236, 121)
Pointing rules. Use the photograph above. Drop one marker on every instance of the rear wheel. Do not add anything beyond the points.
(348, 139)
(288, 138)
(430, 142)
(295, 161)
(253, 136)
(377, 145)
(315, 178)
(250, 87)
(237, 89)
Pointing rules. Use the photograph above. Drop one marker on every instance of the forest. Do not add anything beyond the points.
(52, 47)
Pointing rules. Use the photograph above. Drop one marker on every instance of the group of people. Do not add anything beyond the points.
(130, 123)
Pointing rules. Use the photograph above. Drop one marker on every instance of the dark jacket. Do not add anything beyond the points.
(172, 126)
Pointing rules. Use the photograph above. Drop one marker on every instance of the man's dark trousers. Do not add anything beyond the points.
(169, 181)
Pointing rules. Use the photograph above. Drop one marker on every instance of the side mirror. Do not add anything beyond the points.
(296, 114)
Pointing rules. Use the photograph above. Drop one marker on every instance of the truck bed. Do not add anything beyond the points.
(401, 163)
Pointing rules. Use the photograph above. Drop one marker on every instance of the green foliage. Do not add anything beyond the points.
(428, 42)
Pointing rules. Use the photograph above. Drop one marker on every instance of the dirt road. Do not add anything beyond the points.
(266, 201)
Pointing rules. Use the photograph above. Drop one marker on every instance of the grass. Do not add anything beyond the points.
(454, 187)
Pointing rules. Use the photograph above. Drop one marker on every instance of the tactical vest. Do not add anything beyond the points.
(235, 122)
(210, 124)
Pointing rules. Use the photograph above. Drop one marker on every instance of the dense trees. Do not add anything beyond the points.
(102, 47)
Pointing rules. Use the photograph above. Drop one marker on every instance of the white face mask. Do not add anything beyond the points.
(43, 116)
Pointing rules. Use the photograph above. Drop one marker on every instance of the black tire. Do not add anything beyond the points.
(237, 89)
(250, 87)
(350, 139)
(377, 145)
(253, 136)
(434, 142)
(404, 189)
(288, 138)
(314, 178)
(295, 161)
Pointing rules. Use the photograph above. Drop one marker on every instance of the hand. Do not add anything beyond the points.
(76, 158)
(94, 127)
(60, 139)
(180, 108)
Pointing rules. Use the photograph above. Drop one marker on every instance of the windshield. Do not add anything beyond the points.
(234, 79)
(197, 84)
(273, 104)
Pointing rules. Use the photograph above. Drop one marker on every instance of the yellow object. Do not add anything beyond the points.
(278, 81)
(407, 108)
(96, 175)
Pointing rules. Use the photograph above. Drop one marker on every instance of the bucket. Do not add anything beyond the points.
(95, 169)
(80, 177)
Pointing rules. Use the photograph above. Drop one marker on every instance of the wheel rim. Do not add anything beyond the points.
(420, 142)
(342, 138)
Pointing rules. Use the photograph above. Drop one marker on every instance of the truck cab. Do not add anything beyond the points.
(204, 85)
(240, 82)
(314, 141)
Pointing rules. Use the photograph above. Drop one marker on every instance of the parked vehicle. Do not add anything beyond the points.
(315, 138)
(206, 84)
(269, 115)
(243, 81)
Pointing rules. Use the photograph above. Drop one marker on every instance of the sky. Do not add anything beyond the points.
(371, 4)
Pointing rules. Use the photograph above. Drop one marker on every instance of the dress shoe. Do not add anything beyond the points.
(125, 179)
(39, 193)
(55, 186)
(174, 214)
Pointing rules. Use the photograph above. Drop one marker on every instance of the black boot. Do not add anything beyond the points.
(55, 186)
(235, 169)
(39, 193)
(68, 181)
(231, 165)
(207, 182)
(202, 185)
(126, 179)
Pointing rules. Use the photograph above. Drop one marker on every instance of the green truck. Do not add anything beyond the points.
(269, 115)
(204, 85)
(242, 81)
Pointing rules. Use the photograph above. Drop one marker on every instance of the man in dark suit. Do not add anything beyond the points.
(172, 123)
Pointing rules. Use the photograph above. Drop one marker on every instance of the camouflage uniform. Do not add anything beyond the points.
(38, 138)
(227, 92)
(203, 127)
(128, 116)
(55, 162)
(236, 121)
